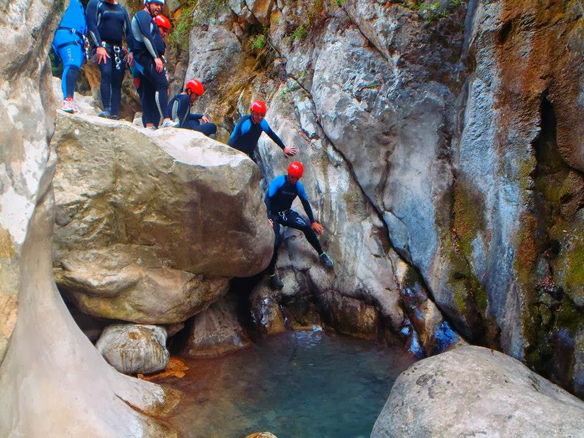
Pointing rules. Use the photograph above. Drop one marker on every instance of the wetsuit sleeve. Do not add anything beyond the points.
(236, 133)
(91, 18)
(128, 31)
(304, 200)
(266, 128)
(144, 21)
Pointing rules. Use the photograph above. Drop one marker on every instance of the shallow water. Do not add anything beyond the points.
(295, 385)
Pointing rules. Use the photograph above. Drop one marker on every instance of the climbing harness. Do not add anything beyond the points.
(119, 54)
(84, 41)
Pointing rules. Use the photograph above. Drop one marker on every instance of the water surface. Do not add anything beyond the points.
(295, 385)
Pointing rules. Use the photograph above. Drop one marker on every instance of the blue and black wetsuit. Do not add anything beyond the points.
(246, 134)
(180, 107)
(108, 24)
(69, 45)
(148, 46)
(281, 193)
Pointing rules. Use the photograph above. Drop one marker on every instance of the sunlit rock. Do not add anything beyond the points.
(477, 391)
(150, 226)
(132, 348)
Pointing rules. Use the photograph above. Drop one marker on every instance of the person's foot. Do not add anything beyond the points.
(326, 260)
(105, 114)
(114, 117)
(275, 282)
(169, 124)
(69, 106)
(151, 128)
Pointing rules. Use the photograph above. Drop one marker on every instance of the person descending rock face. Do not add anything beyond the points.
(70, 44)
(247, 132)
(149, 59)
(180, 108)
(108, 22)
(281, 193)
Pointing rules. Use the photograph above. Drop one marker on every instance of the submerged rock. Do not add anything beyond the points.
(474, 391)
(133, 349)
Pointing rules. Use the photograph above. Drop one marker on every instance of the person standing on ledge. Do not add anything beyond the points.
(281, 193)
(108, 22)
(69, 44)
(180, 110)
(247, 132)
(149, 60)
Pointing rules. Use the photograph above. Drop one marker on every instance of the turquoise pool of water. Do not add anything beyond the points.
(303, 384)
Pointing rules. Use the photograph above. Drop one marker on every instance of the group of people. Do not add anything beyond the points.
(100, 31)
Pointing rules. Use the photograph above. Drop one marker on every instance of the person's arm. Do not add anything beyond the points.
(304, 200)
(289, 151)
(91, 19)
(143, 27)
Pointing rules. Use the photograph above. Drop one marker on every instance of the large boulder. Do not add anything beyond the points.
(150, 226)
(474, 391)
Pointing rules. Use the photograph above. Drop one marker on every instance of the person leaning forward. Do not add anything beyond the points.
(281, 193)
(247, 132)
(180, 110)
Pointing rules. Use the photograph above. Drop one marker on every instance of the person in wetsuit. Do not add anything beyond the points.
(180, 109)
(69, 44)
(108, 23)
(279, 197)
(247, 132)
(149, 59)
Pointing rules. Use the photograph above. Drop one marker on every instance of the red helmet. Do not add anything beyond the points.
(195, 86)
(295, 169)
(163, 22)
(258, 107)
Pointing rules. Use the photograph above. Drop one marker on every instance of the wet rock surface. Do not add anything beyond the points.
(476, 391)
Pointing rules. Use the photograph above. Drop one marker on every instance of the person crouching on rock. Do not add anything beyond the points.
(247, 132)
(281, 193)
(149, 59)
(180, 108)
(108, 22)
(69, 44)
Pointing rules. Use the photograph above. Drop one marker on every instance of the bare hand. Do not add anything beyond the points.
(271, 223)
(159, 65)
(205, 119)
(290, 151)
(101, 55)
(317, 228)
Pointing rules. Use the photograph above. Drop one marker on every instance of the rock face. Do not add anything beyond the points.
(151, 227)
(134, 348)
(216, 331)
(473, 391)
(440, 158)
(72, 390)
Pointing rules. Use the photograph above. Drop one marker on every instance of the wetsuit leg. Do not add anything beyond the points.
(158, 79)
(72, 58)
(206, 128)
(272, 266)
(294, 220)
(116, 87)
(150, 112)
(106, 68)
